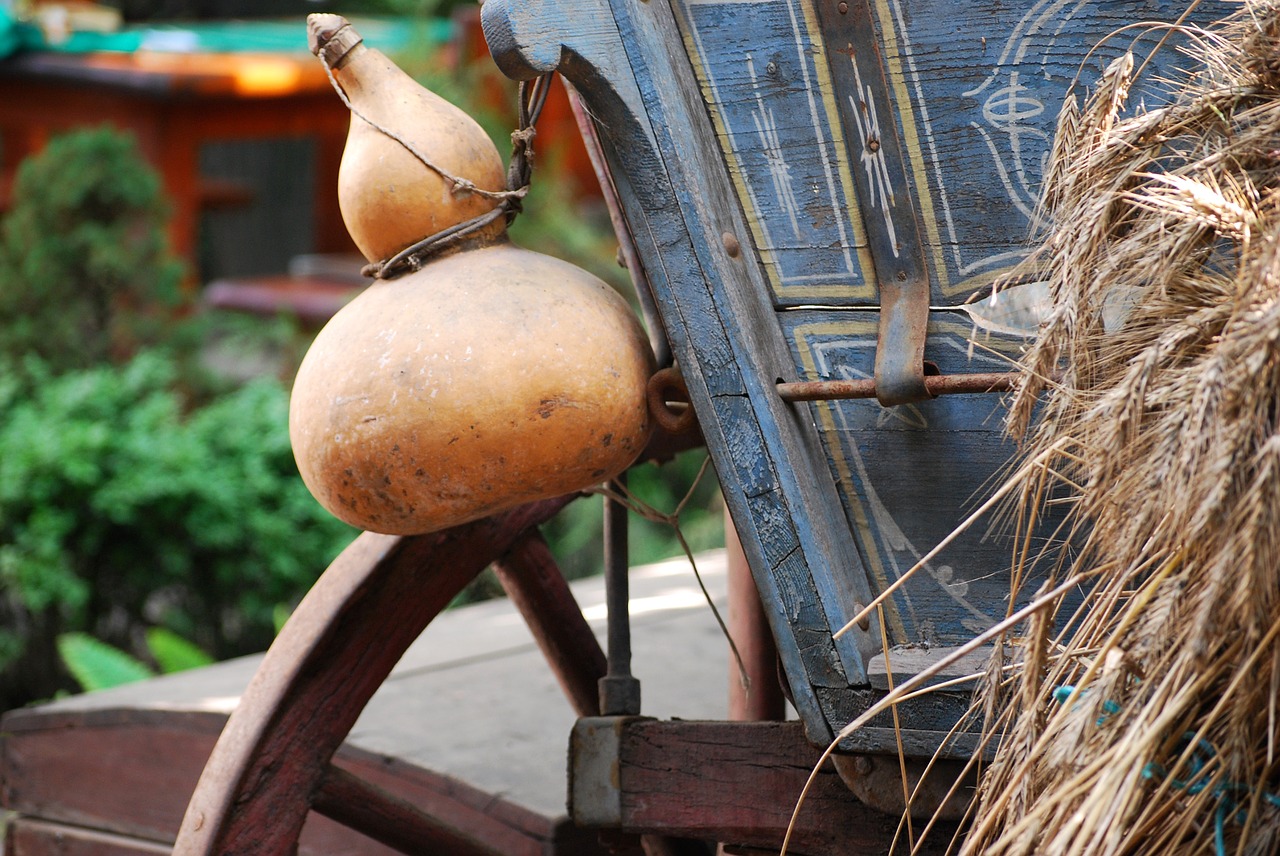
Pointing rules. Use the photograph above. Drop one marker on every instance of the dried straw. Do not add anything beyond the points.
(1145, 722)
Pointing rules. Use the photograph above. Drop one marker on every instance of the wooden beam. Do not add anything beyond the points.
(731, 782)
(53, 765)
(760, 698)
(28, 837)
(384, 817)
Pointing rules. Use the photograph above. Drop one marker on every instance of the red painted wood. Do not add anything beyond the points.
(738, 783)
(54, 765)
(337, 648)
(386, 818)
(536, 586)
(57, 766)
(27, 837)
(504, 828)
(762, 698)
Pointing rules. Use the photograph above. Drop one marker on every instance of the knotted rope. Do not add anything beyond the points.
(532, 98)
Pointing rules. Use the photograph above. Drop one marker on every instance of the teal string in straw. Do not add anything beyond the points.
(1109, 707)
(1224, 792)
(1200, 760)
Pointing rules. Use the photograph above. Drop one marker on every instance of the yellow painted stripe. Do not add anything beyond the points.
(851, 291)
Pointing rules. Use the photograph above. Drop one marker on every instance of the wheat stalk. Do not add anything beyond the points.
(1152, 728)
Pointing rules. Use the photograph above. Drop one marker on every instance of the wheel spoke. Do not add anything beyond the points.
(536, 586)
(386, 818)
(330, 658)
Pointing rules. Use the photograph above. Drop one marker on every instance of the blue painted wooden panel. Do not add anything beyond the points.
(910, 474)
(761, 68)
(985, 82)
(977, 87)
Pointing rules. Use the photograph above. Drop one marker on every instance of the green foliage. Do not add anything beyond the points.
(98, 666)
(95, 665)
(122, 508)
(576, 534)
(85, 269)
(279, 615)
(173, 653)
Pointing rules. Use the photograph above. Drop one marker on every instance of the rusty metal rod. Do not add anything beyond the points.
(619, 689)
(952, 384)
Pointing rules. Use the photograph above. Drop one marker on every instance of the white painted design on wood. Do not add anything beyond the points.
(831, 360)
(777, 199)
(922, 106)
(1011, 113)
(771, 146)
(883, 198)
(815, 117)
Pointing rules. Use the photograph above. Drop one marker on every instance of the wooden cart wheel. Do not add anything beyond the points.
(271, 765)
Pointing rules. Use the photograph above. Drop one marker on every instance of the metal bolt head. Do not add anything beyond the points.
(843, 7)
(731, 245)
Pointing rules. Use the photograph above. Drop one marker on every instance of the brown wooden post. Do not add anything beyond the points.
(763, 700)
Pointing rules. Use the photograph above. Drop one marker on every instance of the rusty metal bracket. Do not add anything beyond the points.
(935, 385)
(884, 195)
(668, 399)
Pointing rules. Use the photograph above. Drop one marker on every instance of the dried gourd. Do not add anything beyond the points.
(490, 377)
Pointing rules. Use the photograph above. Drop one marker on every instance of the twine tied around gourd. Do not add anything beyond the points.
(532, 97)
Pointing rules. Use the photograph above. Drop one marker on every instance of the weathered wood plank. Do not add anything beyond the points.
(130, 772)
(738, 783)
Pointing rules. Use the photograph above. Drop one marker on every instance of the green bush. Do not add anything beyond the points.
(120, 509)
(85, 270)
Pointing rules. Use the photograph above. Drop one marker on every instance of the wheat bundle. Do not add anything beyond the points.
(1146, 721)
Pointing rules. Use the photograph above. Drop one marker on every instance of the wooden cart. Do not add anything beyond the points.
(819, 195)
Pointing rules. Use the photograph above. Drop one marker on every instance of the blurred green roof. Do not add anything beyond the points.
(270, 36)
